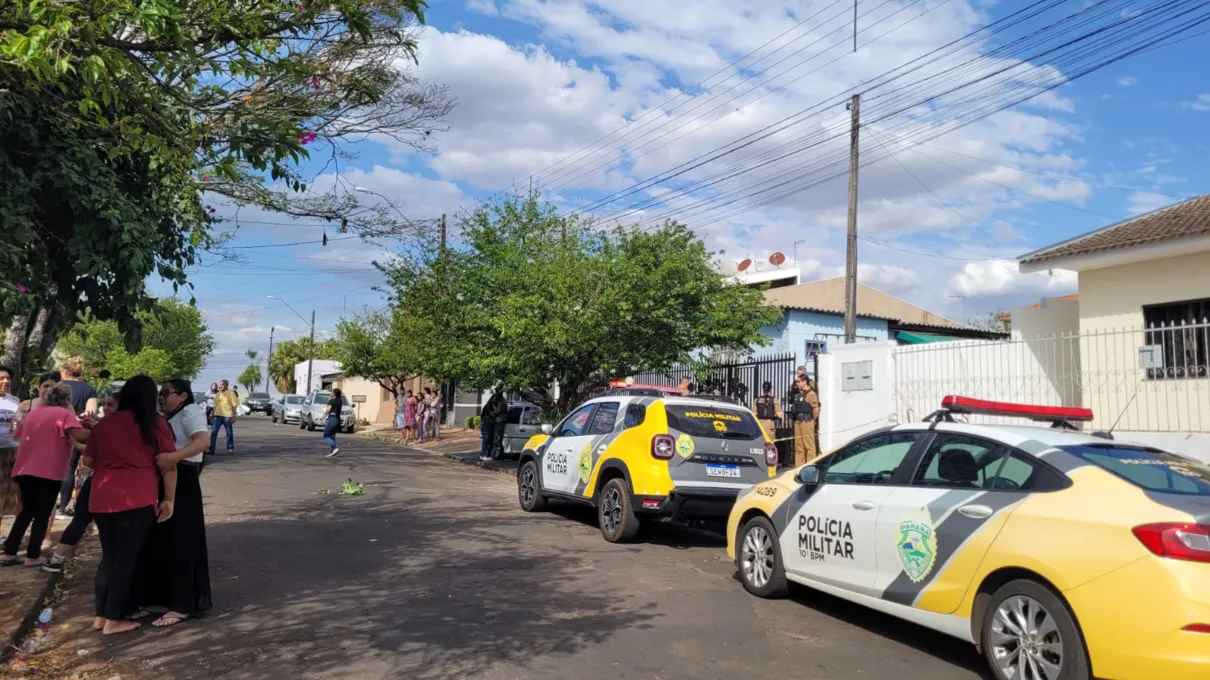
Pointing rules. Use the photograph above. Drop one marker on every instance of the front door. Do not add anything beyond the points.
(560, 461)
(518, 428)
(832, 536)
(933, 534)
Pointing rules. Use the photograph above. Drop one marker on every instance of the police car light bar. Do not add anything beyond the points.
(956, 404)
(621, 384)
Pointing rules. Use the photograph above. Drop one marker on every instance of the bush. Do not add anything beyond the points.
(472, 422)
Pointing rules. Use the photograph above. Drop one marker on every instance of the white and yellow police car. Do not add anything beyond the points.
(1061, 555)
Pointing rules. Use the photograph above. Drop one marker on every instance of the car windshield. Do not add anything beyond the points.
(295, 400)
(259, 395)
(1151, 469)
(712, 421)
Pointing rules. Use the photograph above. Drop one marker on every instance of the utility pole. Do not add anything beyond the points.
(850, 284)
(311, 352)
(854, 30)
(269, 361)
(442, 251)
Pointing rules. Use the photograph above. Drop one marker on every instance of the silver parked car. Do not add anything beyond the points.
(288, 409)
(520, 424)
(313, 411)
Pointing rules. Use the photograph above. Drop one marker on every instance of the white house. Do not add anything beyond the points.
(319, 368)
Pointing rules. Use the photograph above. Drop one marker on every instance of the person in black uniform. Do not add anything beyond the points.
(768, 410)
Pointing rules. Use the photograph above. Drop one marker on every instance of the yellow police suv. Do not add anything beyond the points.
(1061, 555)
(638, 454)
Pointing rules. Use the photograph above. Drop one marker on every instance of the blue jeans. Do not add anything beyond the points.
(331, 427)
(225, 423)
(485, 438)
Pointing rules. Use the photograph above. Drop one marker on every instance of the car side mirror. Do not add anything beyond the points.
(808, 475)
(547, 428)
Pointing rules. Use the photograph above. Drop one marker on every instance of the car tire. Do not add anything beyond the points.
(351, 429)
(758, 556)
(310, 426)
(302, 424)
(529, 487)
(615, 513)
(1050, 619)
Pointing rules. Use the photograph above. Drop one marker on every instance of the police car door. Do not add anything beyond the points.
(832, 536)
(560, 462)
(932, 535)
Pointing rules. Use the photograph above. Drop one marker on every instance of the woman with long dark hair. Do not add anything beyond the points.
(125, 499)
(174, 568)
(332, 420)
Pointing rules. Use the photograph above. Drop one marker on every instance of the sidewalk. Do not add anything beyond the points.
(24, 592)
(456, 443)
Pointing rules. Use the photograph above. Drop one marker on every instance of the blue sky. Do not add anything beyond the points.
(537, 81)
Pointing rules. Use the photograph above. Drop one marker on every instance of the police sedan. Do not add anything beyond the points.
(1060, 555)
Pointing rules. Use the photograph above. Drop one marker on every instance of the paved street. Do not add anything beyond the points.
(435, 574)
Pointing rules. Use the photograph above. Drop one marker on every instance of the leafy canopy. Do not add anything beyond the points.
(374, 347)
(172, 341)
(534, 298)
(289, 353)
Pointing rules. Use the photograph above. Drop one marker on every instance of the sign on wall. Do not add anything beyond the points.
(359, 398)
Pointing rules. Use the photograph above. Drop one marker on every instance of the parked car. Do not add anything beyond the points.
(288, 409)
(259, 402)
(1060, 555)
(520, 425)
(637, 458)
(313, 407)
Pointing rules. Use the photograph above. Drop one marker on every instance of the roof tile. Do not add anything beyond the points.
(1188, 218)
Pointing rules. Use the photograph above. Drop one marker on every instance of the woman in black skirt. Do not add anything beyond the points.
(174, 567)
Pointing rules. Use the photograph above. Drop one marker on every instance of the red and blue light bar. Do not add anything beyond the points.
(957, 404)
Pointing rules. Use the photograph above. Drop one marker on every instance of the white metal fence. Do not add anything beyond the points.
(1147, 380)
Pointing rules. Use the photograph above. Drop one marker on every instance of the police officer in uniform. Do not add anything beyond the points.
(768, 410)
(804, 406)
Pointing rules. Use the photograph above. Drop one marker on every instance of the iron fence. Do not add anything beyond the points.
(1153, 379)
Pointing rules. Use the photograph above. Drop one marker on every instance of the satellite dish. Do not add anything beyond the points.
(776, 259)
(743, 266)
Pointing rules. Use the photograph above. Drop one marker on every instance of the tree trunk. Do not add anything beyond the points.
(14, 351)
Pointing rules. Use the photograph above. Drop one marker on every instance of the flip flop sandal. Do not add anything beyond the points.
(36, 563)
(11, 561)
(140, 615)
(169, 621)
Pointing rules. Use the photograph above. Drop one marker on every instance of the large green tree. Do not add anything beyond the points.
(534, 298)
(374, 347)
(127, 120)
(173, 342)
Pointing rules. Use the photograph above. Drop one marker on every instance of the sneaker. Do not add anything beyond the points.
(55, 564)
(63, 514)
(334, 452)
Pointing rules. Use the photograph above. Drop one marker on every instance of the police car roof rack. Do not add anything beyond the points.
(1059, 417)
(715, 397)
(636, 392)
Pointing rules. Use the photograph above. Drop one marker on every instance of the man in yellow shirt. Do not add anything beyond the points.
(225, 405)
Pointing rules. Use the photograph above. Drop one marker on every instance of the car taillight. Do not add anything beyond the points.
(663, 447)
(770, 454)
(1177, 541)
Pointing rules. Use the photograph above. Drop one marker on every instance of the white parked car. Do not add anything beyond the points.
(312, 413)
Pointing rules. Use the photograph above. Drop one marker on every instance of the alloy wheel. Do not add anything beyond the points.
(1025, 640)
(611, 511)
(756, 556)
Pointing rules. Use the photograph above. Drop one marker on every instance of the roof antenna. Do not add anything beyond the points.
(1109, 433)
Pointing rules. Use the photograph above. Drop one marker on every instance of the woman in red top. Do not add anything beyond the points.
(125, 499)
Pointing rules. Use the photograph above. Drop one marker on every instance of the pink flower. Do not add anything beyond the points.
(301, 9)
(21, 288)
(306, 137)
(205, 178)
(314, 83)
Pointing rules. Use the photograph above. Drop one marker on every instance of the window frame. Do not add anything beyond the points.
(1183, 322)
(641, 409)
(1043, 471)
(596, 412)
(592, 408)
(910, 459)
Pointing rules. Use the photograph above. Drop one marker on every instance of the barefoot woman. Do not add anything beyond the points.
(125, 499)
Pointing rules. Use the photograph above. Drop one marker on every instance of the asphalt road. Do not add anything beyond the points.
(435, 573)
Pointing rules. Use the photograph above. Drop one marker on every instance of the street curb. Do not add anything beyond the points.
(476, 462)
(31, 617)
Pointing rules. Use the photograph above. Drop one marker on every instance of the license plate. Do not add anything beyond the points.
(722, 471)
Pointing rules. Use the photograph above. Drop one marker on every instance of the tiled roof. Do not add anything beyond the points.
(1188, 218)
(828, 296)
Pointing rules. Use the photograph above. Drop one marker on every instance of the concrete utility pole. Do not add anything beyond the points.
(311, 352)
(850, 287)
(269, 360)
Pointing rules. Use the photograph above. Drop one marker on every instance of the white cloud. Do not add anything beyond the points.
(1200, 102)
(1144, 202)
(1001, 277)
(1127, 81)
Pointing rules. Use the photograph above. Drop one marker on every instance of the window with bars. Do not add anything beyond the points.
(1182, 332)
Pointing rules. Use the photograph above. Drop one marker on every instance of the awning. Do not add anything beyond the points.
(915, 338)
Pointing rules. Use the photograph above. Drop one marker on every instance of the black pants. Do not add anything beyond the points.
(498, 439)
(37, 503)
(80, 520)
(69, 482)
(122, 535)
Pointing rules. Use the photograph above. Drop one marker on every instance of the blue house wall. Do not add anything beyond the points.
(798, 326)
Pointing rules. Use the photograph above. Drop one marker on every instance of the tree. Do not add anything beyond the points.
(373, 348)
(172, 328)
(251, 377)
(536, 299)
(996, 322)
(123, 119)
(289, 353)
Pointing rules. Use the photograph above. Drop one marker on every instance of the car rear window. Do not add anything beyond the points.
(1151, 469)
(711, 422)
(258, 395)
(295, 400)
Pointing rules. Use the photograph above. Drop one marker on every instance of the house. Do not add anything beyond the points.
(1142, 317)
(317, 368)
(813, 318)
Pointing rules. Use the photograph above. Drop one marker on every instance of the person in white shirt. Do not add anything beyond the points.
(10, 493)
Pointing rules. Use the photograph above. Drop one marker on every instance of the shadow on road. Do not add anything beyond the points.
(418, 588)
